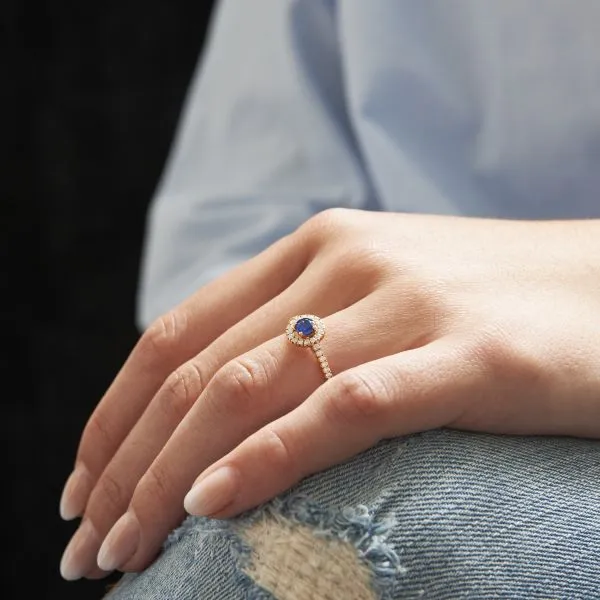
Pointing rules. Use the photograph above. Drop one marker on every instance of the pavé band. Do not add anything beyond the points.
(308, 330)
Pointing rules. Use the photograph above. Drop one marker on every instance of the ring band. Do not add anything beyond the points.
(309, 330)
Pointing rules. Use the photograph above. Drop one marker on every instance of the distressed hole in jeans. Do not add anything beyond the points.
(294, 549)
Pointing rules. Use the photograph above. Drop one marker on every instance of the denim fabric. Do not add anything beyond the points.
(440, 515)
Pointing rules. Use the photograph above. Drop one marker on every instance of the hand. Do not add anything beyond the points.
(431, 322)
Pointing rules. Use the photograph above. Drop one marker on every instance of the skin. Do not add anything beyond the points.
(474, 324)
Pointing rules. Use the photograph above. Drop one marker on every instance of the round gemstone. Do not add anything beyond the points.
(305, 327)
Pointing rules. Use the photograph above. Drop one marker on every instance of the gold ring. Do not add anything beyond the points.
(309, 330)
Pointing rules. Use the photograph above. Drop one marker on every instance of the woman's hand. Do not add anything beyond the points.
(431, 322)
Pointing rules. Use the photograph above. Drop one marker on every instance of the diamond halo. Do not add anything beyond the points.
(301, 339)
(309, 330)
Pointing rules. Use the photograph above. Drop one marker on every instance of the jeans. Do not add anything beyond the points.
(437, 515)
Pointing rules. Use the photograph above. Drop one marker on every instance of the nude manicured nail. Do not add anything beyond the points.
(75, 493)
(120, 544)
(78, 557)
(213, 493)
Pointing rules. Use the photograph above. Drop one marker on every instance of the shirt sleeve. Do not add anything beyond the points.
(263, 143)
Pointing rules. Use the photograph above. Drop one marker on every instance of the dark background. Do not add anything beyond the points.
(93, 92)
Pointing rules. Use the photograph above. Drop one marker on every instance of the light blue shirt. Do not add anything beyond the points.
(464, 107)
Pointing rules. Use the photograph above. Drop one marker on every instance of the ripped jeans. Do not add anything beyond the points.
(439, 515)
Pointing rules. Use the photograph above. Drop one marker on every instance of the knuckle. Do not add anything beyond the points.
(109, 492)
(503, 357)
(162, 336)
(97, 436)
(156, 487)
(181, 389)
(356, 399)
(243, 382)
(491, 348)
(326, 221)
(280, 452)
(367, 261)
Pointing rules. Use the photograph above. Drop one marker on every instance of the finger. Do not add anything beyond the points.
(412, 391)
(166, 344)
(114, 488)
(242, 396)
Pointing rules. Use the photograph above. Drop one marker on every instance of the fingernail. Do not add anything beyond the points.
(212, 494)
(78, 557)
(75, 493)
(120, 543)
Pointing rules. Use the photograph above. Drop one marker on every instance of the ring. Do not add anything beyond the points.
(309, 330)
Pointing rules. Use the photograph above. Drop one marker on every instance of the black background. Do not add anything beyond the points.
(92, 93)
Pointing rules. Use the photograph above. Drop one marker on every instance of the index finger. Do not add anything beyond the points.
(168, 342)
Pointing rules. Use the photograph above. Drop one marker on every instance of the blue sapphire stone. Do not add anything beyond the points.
(305, 327)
